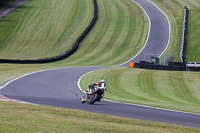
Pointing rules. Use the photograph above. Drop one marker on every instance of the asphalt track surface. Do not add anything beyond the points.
(59, 87)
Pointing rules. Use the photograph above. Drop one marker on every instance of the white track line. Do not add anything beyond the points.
(78, 83)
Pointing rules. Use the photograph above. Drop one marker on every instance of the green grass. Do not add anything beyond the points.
(24, 118)
(165, 89)
(193, 46)
(174, 10)
(119, 34)
(40, 29)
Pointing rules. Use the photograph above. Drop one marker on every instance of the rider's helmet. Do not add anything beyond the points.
(102, 81)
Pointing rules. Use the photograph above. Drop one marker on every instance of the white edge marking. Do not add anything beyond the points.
(78, 83)
(153, 107)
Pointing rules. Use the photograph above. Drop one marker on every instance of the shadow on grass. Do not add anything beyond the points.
(23, 7)
(4, 20)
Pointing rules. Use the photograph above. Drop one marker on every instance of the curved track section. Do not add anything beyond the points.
(59, 87)
(159, 32)
(42, 88)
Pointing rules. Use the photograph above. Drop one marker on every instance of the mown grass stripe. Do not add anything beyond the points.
(181, 89)
(112, 34)
(89, 48)
(73, 23)
(97, 51)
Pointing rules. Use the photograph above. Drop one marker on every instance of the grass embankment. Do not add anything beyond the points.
(174, 10)
(39, 29)
(49, 28)
(23, 118)
(193, 46)
(119, 34)
(171, 90)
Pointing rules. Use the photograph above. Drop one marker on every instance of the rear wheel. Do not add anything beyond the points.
(95, 98)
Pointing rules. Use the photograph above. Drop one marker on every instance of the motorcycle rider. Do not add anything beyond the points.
(101, 88)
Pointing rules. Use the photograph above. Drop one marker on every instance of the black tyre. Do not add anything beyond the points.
(95, 98)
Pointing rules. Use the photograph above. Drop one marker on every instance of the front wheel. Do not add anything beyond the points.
(95, 98)
(82, 101)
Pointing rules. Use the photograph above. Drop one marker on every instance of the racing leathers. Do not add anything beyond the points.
(101, 88)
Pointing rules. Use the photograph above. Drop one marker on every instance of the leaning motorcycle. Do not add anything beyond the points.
(92, 95)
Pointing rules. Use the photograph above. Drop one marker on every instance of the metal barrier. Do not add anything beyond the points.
(184, 35)
(172, 66)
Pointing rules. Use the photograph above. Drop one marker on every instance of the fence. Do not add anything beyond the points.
(167, 60)
(172, 66)
(67, 53)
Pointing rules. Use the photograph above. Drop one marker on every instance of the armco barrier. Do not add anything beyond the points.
(66, 54)
(184, 35)
(172, 66)
(177, 64)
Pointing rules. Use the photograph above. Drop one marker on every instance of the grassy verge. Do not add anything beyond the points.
(171, 90)
(193, 47)
(23, 118)
(39, 29)
(174, 10)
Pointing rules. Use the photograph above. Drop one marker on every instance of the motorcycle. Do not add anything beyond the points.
(92, 95)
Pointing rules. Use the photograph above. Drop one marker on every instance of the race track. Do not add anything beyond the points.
(59, 88)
